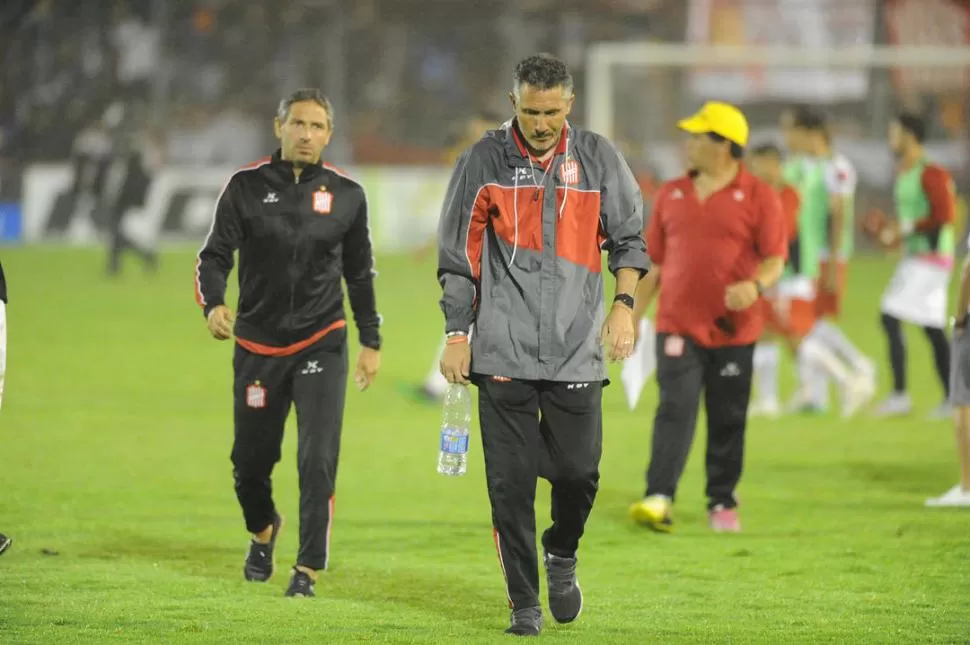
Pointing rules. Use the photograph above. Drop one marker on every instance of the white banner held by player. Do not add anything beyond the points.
(641, 365)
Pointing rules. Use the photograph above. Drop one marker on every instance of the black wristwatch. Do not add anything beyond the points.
(624, 299)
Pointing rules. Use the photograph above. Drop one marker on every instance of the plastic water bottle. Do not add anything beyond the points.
(456, 419)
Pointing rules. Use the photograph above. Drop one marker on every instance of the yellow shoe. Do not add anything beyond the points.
(654, 513)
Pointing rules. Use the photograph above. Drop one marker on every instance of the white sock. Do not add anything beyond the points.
(767, 359)
(834, 337)
(822, 358)
(435, 383)
(819, 386)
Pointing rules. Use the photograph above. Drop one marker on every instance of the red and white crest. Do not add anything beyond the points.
(256, 395)
(569, 172)
(674, 346)
(322, 202)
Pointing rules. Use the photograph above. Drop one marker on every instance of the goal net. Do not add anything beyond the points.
(636, 92)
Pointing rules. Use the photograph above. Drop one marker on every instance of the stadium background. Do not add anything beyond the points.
(115, 427)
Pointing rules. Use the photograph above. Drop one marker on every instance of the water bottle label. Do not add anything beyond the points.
(453, 442)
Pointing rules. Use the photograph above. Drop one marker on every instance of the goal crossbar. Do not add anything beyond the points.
(601, 58)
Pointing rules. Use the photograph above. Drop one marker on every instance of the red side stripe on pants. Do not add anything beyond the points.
(501, 562)
(331, 503)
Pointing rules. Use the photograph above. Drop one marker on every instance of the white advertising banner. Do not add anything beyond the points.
(404, 204)
(930, 22)
(815, 24)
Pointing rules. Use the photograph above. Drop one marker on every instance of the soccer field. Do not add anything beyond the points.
(116, 485)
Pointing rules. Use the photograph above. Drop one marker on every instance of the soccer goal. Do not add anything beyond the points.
(765, 74)
(635, 92)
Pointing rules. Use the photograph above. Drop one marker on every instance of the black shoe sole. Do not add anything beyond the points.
(5, 544)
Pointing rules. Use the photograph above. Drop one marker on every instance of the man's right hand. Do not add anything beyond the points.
(456, 361)
(220, 322)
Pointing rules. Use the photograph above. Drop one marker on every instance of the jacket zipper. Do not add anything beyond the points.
(296, 181)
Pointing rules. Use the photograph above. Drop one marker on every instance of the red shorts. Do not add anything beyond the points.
(830, 303)
(791, 319)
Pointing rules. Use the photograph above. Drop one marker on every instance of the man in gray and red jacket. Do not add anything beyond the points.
(529, 210)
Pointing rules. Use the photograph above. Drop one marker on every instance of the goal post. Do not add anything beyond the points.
(603, 58)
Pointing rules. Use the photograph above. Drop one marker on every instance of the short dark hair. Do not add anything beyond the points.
(810, 118)
(767, 150)
(300, 95)
(913, 125)
(544, 72)
(737, 150)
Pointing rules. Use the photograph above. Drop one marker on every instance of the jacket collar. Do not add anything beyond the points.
(516, 152)
(285, 168)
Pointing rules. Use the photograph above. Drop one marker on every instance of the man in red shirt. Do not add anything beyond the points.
(717, 240)
(786, 319)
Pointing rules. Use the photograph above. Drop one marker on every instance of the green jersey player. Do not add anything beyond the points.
(917, 294)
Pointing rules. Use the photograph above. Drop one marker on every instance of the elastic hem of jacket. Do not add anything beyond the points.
(289, 350)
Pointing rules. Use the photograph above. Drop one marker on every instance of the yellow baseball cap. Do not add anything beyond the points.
(720, 118)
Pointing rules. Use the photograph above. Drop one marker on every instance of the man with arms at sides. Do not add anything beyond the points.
(917, 294)
(529, 210)
(959, 495)
(827, 194)
(473, 129)
(300, 226)
(717, 241)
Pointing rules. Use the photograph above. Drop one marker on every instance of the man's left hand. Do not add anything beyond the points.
(368, 364)
(619, 333)
(741, 295)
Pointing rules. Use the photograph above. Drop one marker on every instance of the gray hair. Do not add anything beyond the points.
(304, 94)
(543, 72)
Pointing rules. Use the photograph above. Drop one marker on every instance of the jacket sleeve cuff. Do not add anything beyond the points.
(629, 259)
(370, 337)
(209, 306)
(459, 321)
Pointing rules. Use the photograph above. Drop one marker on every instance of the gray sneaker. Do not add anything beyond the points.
(526, 622)
(565, 596)
(896, 405)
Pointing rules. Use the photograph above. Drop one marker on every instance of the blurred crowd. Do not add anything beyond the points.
(207, 74)
(202, 77)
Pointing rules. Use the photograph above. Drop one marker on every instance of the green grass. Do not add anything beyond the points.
(114, 452)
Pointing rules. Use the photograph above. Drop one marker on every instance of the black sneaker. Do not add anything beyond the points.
(260, 563)
(526, 622)
(301, 585)
(5, 542)
(565, 596)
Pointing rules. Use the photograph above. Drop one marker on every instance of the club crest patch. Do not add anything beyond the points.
(569, 172)
(256, 395)
(674, 346)
(323, 202)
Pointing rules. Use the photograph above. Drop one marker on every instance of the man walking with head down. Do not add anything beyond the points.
(529, 209)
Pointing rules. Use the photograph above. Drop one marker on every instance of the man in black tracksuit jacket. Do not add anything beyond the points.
(299, 226)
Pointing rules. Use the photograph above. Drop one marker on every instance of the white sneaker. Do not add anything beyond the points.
(896, 405)
(954, 497)
(801, 403)
(767, 409)
(942, 412)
